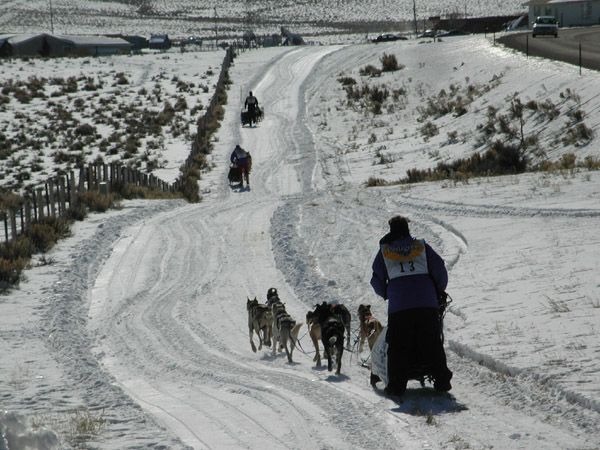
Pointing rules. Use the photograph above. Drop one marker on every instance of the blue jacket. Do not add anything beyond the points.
(410, 275)
(239, 156)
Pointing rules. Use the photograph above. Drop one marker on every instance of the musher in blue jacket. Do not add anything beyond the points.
(242, 159)
(411, 276)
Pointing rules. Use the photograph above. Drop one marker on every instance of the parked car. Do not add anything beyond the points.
(545, 25)
(193, 40)
(388, 38)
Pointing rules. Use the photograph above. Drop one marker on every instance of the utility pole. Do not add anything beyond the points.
(51, 18)
(415, 17)
(216, 29)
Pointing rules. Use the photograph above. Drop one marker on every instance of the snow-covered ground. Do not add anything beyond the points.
(182, 18)
(116, 97)
(139, 325)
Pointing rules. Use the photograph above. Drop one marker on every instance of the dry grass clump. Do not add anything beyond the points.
(374, 181)
(369, 71)
(96, 201)
(15, 255)
(346, 81)
(455, 100)
(389, 63)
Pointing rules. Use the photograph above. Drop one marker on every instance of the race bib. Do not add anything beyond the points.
(405, 260)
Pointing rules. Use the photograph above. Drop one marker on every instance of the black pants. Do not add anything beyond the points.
(415, 347)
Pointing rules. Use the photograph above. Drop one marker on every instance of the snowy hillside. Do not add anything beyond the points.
(138, 326)
(187, 17)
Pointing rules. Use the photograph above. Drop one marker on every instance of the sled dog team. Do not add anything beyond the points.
(328, 323)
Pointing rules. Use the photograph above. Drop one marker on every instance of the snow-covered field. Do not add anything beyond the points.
(181, 18)
(139, 324)
(108, 109)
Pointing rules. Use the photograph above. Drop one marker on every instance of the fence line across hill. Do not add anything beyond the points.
(203, 131)
(55, 197)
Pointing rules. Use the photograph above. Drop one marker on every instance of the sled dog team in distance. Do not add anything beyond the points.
(412, 277)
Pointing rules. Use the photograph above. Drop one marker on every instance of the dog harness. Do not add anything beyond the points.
(405, 259)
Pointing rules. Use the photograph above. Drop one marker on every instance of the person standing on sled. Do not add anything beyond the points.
(251, 105)
(411, 276)
(242, 159)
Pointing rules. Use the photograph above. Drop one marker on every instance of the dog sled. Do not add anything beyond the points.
(419, 369)
(379, 370)
(236, 173)
(248, 118)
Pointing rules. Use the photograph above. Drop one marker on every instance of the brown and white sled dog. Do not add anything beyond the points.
(370, 327)
(260, 320)
(314, 331)
(285, 330)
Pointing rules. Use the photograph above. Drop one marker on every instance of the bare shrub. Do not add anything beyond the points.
(577, 135)
(121, 78)
(370, 71)
(95, 201)
(567, 161)
(10, 272)
(389, 63)
(374, 181)
(428, 130)
(85, 130)
(45, 233)
(548, 109)
(569, 94)
(346, 81)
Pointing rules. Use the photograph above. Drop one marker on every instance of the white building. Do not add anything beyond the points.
(570, 13)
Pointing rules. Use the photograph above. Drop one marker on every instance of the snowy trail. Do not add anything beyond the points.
(168, 314)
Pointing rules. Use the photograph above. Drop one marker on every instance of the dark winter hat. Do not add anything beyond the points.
(272, 292)
(399, 225)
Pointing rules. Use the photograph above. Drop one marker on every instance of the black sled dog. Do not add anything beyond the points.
(332, 335)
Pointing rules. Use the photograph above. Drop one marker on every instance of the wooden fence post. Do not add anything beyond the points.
(27, 212)
(51, 198)
(4, 219)
(71, 189)
(62, 197)
(82, 179)
(47, 197)
(89, 174)
(13, 224)
(40, 203)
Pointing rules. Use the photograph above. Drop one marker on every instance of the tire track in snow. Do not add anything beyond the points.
(166, 341)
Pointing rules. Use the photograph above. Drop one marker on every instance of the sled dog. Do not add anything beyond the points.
(314, 331)
(285, 330)
(332, 335)
(342, 312)
(370, 327)
(260, 321)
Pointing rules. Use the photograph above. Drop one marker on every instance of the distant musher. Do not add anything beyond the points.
(241, 159)
(251, 106)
